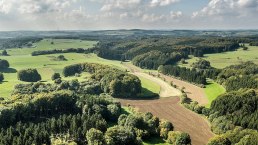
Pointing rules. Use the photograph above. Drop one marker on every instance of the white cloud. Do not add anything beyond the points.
(120, 4)
(33, 6)
(155, 3)
(176, 14)
(5, 6)
(228, 8)
(153, 18)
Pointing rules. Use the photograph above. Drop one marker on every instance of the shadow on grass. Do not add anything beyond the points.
(147, 95)
(3, 82)
(8, 70)
(154, 141)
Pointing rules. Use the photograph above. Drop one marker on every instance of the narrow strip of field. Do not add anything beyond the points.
(193, 92)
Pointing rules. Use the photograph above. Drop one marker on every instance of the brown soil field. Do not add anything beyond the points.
(182, 118)
(169, 108)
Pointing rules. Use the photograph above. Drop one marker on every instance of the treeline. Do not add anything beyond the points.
(238, 136)
(56, 51)
(233, 117)
(143, 50)
(190, 75)
(82, 119)
(18, 42)
(153, 59)
(116, 82)
(237, 108)
(239, 76)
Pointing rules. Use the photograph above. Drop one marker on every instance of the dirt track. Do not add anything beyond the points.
(194, 92)
(169, 108)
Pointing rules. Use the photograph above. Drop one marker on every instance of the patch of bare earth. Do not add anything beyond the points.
(194, 92)
(182, 118)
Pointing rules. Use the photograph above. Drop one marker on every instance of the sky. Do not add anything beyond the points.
(127, 14)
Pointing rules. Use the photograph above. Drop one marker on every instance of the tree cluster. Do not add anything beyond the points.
(139, 48)
(190, 75)
(116, 82)
(18, 42)
(56, 51)
(28, 75)
(238, 136)
(153, 59)
(239, 76)
(237, 108)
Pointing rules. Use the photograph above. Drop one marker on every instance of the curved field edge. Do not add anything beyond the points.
(212, 91)
(183, 119)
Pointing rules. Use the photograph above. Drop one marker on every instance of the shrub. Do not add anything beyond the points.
(219, 140)
(56, 76)
(29, 75)
(95, 137)
(4, 64)
(4, 53)
(165, 127)
(178, 138)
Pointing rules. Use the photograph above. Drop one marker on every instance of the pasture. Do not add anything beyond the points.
(20, 58)
(212, 91)
(222, 60)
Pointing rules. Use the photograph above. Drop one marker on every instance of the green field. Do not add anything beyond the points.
(149, 88)
(20, 58)
(222, 60)
(212, 91)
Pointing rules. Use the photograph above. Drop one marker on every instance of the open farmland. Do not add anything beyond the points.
(222, 60)
(20, 58)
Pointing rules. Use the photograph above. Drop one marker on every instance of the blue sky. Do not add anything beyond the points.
(127, 14)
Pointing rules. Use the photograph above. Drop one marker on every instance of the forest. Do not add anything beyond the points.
(80, 112)
(166, 50)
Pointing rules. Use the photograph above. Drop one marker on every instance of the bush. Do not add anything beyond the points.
(178, 138)
(165, 127)
(56, 76)
(95, 137)
(118, 135)
(4, 53)
(1, 77)
(4, 64)
(29, 75)
(219, 140)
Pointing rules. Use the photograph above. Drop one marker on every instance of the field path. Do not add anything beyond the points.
(169, 107)
(193, 92)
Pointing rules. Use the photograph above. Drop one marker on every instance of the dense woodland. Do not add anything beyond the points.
(166, 50)
(116, 82)
(239, 76)
(79, 112)
(190, 75)
(18, 42)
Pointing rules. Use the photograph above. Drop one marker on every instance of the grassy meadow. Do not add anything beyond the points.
(222, 60)
(20, 58)
(149, 88)
(212, 91)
